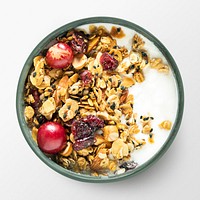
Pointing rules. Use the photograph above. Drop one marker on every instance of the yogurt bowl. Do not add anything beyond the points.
(114, 105)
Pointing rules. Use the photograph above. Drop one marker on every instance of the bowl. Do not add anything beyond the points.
(44, 44)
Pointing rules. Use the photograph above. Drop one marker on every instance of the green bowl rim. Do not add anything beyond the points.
(20, 103)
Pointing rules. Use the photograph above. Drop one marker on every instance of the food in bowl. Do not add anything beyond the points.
(100, 100)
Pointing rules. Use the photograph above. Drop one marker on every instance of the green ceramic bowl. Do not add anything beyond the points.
(43, 44)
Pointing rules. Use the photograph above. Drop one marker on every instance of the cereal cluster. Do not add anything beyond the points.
(89, 88)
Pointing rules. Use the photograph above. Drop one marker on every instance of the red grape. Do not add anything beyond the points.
(51, 137)
(59, 55)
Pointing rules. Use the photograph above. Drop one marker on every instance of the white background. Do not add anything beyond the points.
(23, 24)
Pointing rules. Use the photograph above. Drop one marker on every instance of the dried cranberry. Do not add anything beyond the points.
(84, 129)
(83, 143)
(94, 122)
(108, 61)
(36, 97)
(79, 43)
(86, 77)
(80, 129)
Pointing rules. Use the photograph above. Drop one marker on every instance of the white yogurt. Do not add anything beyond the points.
(157, 95)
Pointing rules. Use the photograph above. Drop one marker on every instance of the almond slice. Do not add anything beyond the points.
(79, 61)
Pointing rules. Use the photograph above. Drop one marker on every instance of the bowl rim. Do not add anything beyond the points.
(20, 102)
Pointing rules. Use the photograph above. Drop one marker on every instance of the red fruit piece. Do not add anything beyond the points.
(86, 77)
(36, 97)
(79, 43)
(83, 131)
(108, 62)
(51, 137)
(83, 143)
(59, 55)
(94, 122)
(80, 129)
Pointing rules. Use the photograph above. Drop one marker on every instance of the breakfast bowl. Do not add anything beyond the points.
(100, 99)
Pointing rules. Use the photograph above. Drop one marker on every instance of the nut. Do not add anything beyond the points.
(61, 91)
(73, 79)
(79, 61)
(138, 76)
(92, 43)
(157, 63)
(99, 139)
(100, 161)
(110, 133)
(138, 43)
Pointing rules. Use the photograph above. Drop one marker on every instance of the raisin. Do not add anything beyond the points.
(128, 165)
(108, 61)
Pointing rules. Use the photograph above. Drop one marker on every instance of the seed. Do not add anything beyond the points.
(94, 67)
(64, 115)
(119, 82)
(118, 29)
(68, 107)
(146, 118)
(131, 105)
(132, 67)
(34, 74)
(53, 86)
(128, 123)
(113, 106)
(151, 130)
(122, 88)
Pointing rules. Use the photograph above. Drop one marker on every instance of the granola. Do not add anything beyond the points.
(90, 98)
